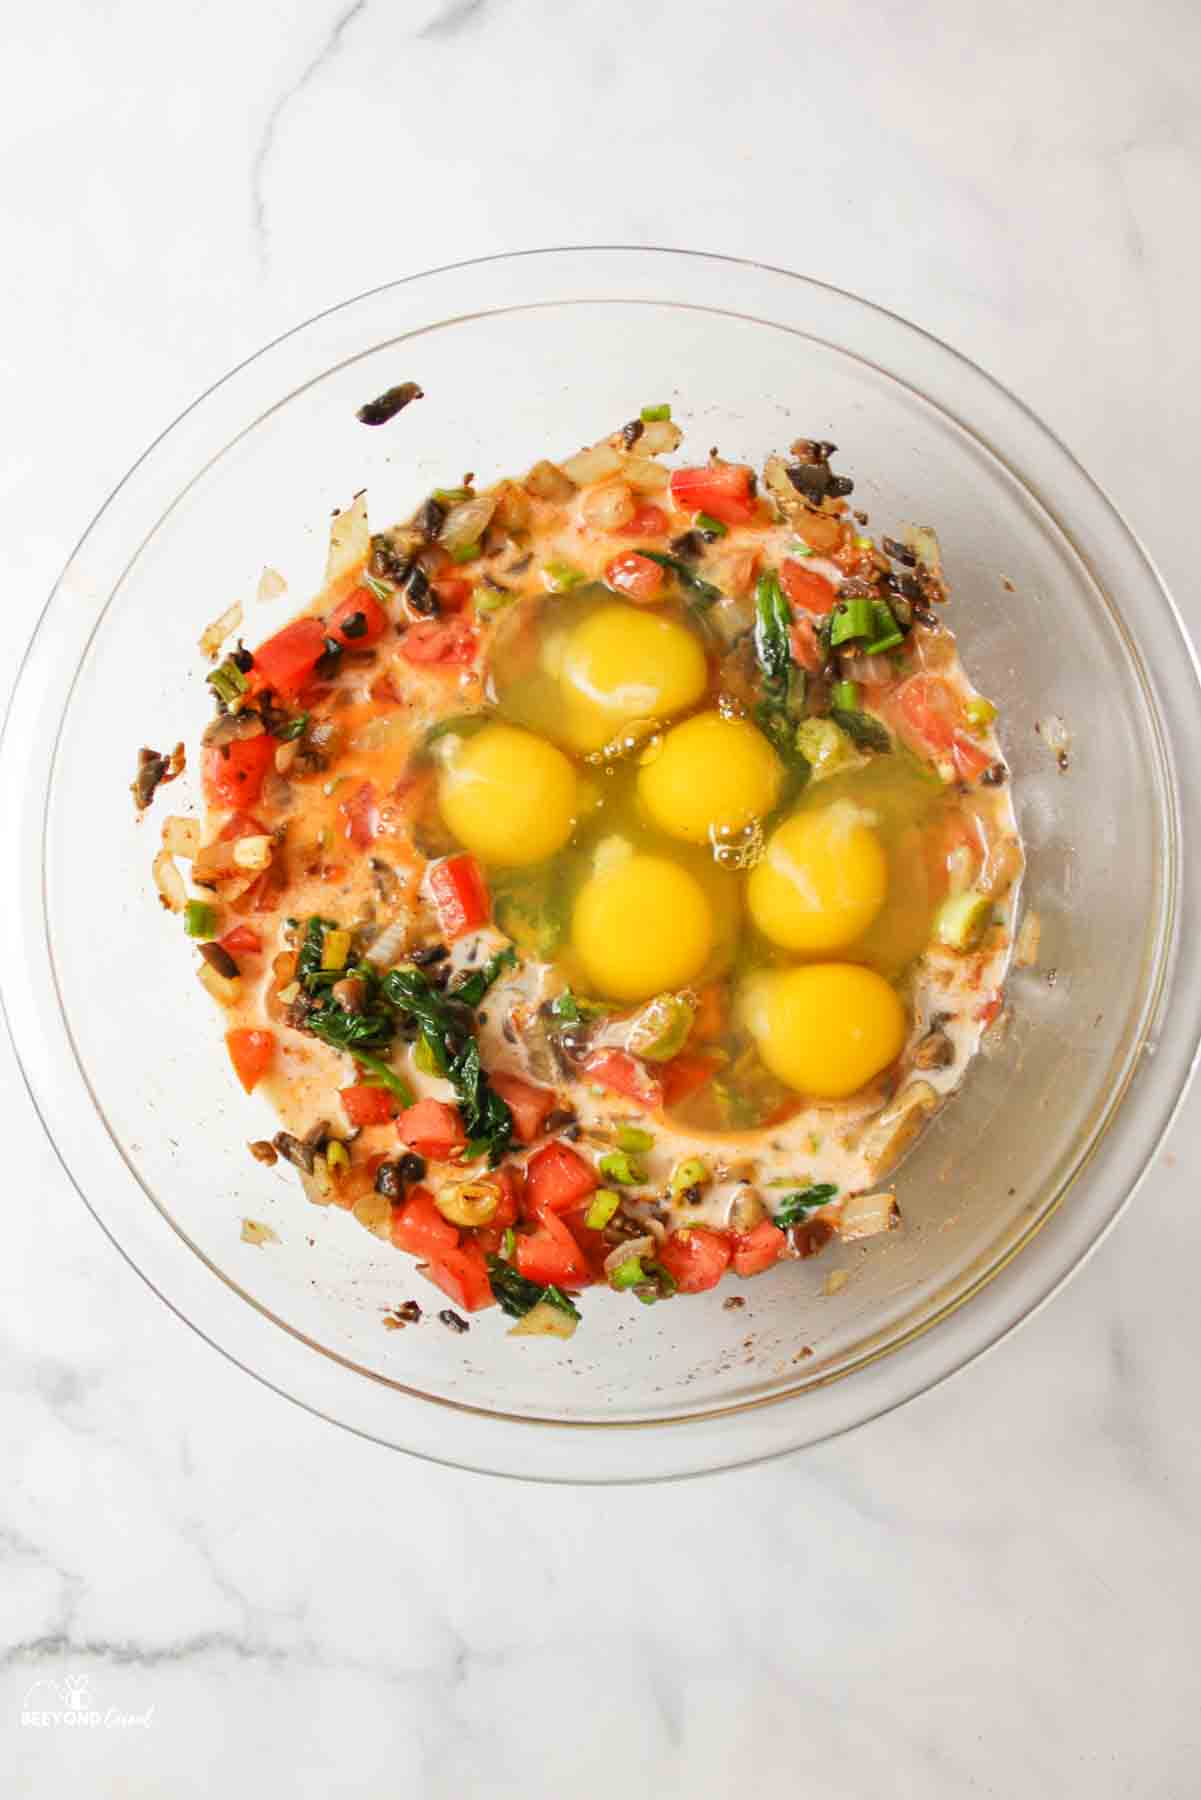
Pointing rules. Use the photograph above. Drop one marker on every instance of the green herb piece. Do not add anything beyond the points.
(826, 748)
(979, 712)
(472, 988)
(630, 1137)
(452, 496)
(376, 1073)
(293, 728)
(795, 1207)
(200, 919)
(227, 681)
(379, 588)
(465, 553)
(780, 711)
(844, 696)
(508, 1244)
(627, 1273)
(710, 526)
(562, 576)
(619, 1166)
(660, 1029)
(308, 962)
(651, 415)
(886, 633)
(517, 1296)
(960, 920)
(800, 549)
(571, 1009)
(486, 1118)
(425, 1058)
(702, 594)
(603, 1205)
(851, 619)
(862, 729)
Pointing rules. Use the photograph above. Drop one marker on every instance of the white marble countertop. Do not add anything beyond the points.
(992, 1592)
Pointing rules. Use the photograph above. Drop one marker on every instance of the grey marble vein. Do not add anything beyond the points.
(270, 130)
(451, 18)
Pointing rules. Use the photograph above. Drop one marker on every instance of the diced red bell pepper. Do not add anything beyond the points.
(556, 1178)
(648, 521)
(637, 577)
(357, 622)
(723, 490)
(460, 895)
(802, 635)
(419, 1228)
(687, 1074)
(439, 643)
(551, 1255)
(805, 587)
(530, 1106)
(359, 813)
(929, 710)
(241, 941)
(287, 660)
(463, 1274)
(251, 1052)
(364, 1104)
(696, 1257)
(432, 1128)
(970, 759)
(233, 773)
(623, 1074)
(757, 1250)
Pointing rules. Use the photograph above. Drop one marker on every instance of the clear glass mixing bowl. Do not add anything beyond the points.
(1059, 613)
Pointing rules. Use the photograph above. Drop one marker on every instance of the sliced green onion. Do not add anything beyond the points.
(880, 645)
(423, 1056)
(604, 1204)
(710, 526)
(293, 728)
(373, 1071)
(629, 1137)
(337, 1156)
(562, 576)
(465, 553)
(800, 548)
(626, 1274)
(690, 1173)
(863, 543)
(844, 695)
(228, 681)
(335, 948)
(378, 588)
(960, 920)
(452, 496)
(979, 712)
(617, 1166)
(852, 619)
(650, 415)
(200, 919)
(508, 1243)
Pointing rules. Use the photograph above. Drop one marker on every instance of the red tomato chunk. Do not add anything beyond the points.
(359, 813)
(463, 1274)
(419, 1228)
(357, 622)
(432, 1128)
(287, 660)
(805, 587)
(460, 895)
(251, 1052)
(623, 1074)
(556, 1178)
(697, 1258)
(552, 1255)
(723, 490)
(759, 1249)
(367, 1105)
(440, 643)
(530, 1106)
(637, 577)
(233, 773)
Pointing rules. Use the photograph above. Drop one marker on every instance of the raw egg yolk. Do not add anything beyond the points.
(711, 776)
(822, 880)
(508, 796)
(827, 1028)
(641, 926)
(623, 668)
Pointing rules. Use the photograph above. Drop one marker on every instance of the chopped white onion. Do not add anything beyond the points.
(225, 989)
(169, 882)
(639, 1246)
(389, 944)
(271, 585)
(466, 523)
(659, 437)
(181, 837)
(214, 635)
(349, 540)
(545, 1320)
(587, 466)
(252, 852)
(645, 476)
(1025, 951)
(609, 506)
(866, 1215)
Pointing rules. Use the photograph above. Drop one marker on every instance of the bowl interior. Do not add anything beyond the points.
(503, 388)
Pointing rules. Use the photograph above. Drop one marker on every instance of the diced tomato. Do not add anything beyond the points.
(286, 661)
(970, 759)
(262, 896)
(710, 1019)
(637, 577)
(432, 1128)
(439, 643)
(759, 1249)
(251, 1052)
(453, 591)
(419, 1228)
(241, 941)
(556, 1178)
(233, 773)
(460, 895)
(805, 587)
(929, 710)
(367, 1105)
(623, 1074)
(241, 825)
(511, 1181)
(697, 1258)
(363, 613)
(687, 1074)
(551, 1254)
(463, 1274)
(530, 1106)
(802, 635)
(723, 490)
(648, 521)
(360, 815)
